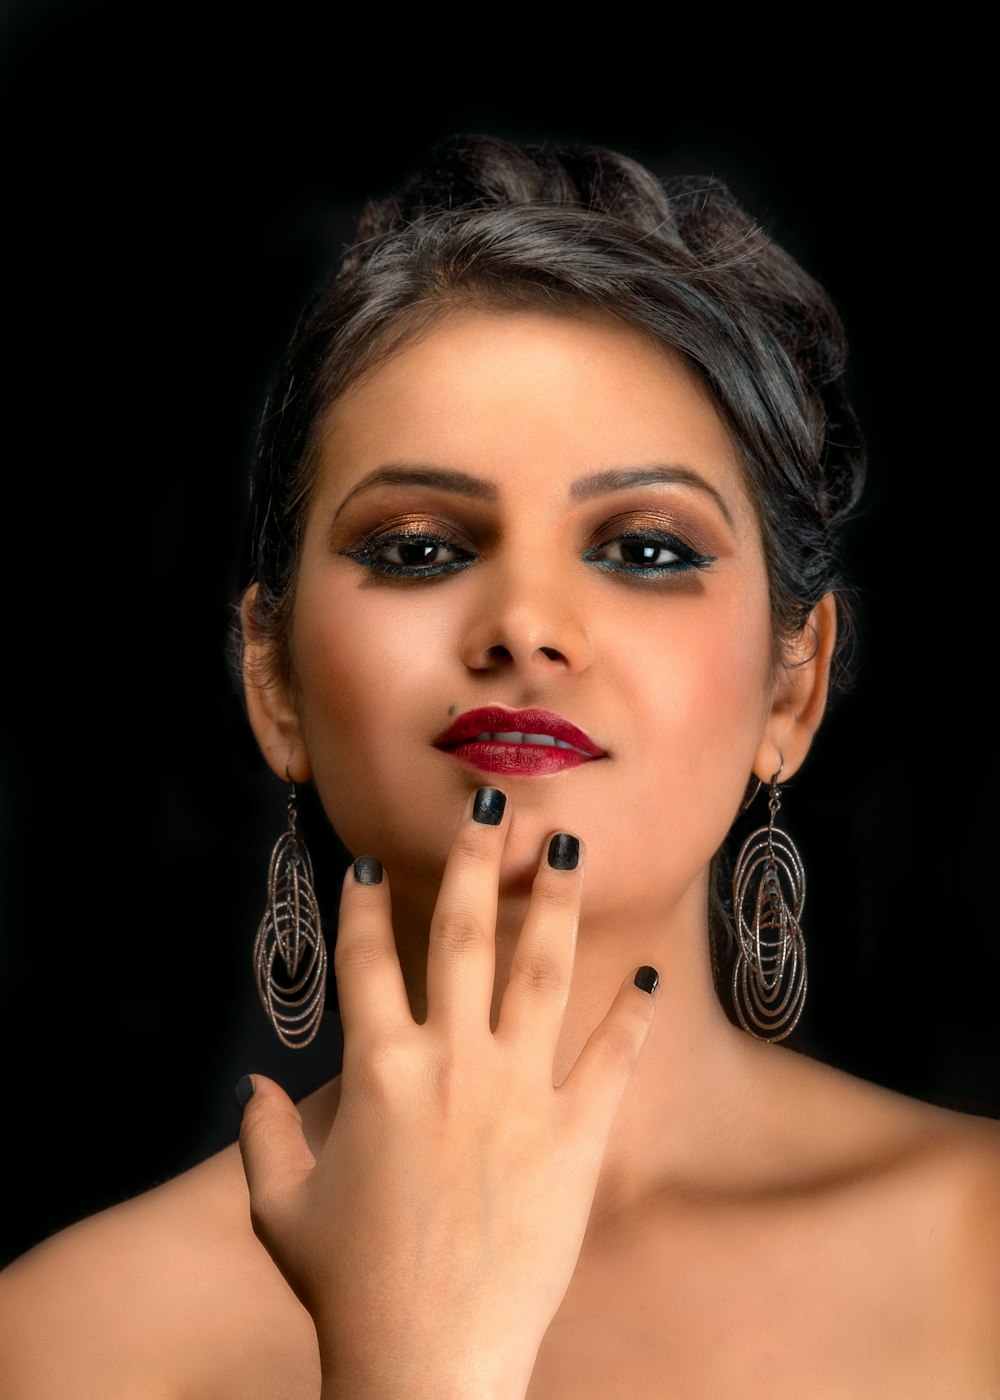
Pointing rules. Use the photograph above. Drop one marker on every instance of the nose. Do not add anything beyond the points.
(529, 622)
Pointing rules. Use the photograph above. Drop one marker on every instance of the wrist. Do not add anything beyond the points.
(465, 1382)
(355, 1388)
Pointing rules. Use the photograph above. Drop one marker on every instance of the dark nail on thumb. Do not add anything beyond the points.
(647, 979)
(244, 1091)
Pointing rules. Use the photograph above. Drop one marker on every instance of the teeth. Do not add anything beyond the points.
(514, 736)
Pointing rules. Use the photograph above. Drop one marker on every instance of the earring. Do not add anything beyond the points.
(291, 928)
(769, 891)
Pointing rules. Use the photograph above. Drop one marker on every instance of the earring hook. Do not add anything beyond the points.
(758, 783)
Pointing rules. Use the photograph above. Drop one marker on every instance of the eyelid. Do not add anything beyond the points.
(649, 529)
(413, 527)
(652, 523)
(409, 530)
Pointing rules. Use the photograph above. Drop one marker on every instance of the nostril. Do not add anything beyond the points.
(500, 654)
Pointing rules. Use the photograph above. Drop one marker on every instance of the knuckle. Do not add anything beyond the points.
(616, 1046)
(458, 931)
(558, 894)
(538, 973)
(360, 951)
(473, 843)
(386, 1062)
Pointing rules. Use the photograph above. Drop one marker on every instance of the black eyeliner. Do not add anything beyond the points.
(365, 554)
(688, 558)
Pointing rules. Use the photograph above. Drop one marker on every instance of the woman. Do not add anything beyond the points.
(544, 590)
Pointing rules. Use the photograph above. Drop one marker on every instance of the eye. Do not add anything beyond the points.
(410, 554)
(649, 552)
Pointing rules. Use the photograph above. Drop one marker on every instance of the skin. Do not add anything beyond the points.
(534, 1178)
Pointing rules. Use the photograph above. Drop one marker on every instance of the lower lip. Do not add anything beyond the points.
(523, 760)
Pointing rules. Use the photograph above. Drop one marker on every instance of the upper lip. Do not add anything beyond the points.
(494, 719)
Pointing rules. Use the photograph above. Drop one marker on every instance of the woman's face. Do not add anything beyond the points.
(533, 511)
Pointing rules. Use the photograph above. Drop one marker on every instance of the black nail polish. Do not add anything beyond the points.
(647, 979)
(368, 870)
(564, 852)
(488, 806)
(244, 1091)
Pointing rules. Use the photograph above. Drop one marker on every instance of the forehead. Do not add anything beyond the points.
(530, 396)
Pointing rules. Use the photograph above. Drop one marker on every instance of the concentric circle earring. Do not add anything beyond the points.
(291, 930)
(769, 891)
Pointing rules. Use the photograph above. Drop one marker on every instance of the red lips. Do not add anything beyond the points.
(461, 741)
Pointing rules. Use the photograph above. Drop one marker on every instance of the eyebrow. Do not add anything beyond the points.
(440, 478)
(597, 484)
(621, 478)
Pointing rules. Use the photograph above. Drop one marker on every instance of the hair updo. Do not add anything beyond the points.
(485, 222)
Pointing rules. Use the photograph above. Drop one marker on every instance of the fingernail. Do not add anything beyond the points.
(488, 806)
(244, 1091)
(647, 979)
(368, 870)
(564, 852)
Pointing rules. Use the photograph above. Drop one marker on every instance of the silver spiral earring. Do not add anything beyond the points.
(290, 931)
(769, 891)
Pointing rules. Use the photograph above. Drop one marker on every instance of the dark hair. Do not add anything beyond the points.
(483, 221)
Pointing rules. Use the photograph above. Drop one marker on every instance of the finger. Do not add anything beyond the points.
(276, 1156)
(534, 1001)
(371, 992)
(461, 956)
(594, 1086)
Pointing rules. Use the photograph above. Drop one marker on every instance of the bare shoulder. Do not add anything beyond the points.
(864, 1127)
(168, 1295)
(889, 1210)
(927, 1182)
(946, 1183)
(960, 1167)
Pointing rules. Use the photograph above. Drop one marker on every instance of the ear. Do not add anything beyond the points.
(270, 702)
(800, 694)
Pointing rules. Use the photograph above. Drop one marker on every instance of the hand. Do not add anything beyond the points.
(436, 1235)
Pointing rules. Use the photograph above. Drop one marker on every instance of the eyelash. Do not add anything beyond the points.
(687, 558)
(367, 555)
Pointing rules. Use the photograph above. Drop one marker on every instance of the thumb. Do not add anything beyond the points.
(276, 1156)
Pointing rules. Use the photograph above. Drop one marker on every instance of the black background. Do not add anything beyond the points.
(176, 180)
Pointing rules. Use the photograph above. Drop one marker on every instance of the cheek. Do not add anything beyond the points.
(701, 702)
(363, 678)
(363, 662)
